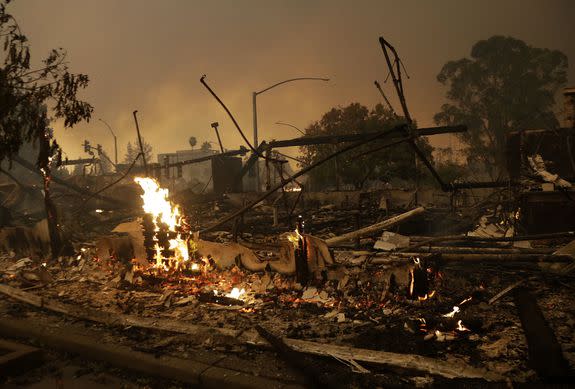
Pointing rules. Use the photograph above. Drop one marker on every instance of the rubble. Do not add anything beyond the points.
(364, 290)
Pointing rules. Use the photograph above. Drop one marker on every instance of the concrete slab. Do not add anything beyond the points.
(16, 358)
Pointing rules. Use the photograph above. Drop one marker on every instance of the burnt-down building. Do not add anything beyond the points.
(542, 164)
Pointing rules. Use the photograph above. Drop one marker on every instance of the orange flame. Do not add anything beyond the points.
(162, 210)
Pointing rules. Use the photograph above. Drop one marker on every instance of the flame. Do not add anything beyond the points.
(163, 212)
(466, 300)
(236, 293)
(461, 327)
(427, 296)
(294, 238)
(453, 312)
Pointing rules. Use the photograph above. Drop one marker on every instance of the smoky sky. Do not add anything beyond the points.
(150, 55)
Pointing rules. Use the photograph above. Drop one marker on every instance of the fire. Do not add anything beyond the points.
(461, 327)
(427, 296)
(453, 312)
(236, 293)
(295, 237)
(166, 215)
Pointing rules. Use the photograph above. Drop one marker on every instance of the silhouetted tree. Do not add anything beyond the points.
(106, 164)
(206, 146)
(394, 162)
(506, 85)
(132, 151)
(27, 96)
(192, 141)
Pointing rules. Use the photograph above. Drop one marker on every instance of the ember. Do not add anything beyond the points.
(236, 293)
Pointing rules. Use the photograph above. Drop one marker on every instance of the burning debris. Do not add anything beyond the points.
(166, 235)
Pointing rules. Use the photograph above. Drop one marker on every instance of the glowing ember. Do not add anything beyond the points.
(453, 312)
(461, 327)
(294, 238)
(166, 216)
(236, 293)
(442, 336)
(427, 296)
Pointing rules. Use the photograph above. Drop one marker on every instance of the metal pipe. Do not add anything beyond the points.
(140, 142)
(115, 141)
(255, 114)
(215, 127)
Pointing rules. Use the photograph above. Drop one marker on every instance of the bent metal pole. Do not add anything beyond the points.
(140, 142)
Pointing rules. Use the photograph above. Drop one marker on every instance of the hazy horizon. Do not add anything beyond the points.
(149, 56)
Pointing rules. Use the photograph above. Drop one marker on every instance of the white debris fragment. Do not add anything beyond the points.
(538, 165)
(391, 241)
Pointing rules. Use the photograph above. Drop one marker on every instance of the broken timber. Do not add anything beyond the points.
(405, 361)
(465, 238)
(465, 257)
(545, 354)
(374, 228)
(346, 138)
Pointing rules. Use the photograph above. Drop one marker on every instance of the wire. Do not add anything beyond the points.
(292, 158)
(208, 183)
(257, 152)
(111, 184)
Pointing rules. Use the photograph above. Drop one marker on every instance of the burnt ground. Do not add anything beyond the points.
(352, 314)
(353, 304)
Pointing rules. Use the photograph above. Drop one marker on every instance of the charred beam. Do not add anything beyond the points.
(241, 151)
(545, 354)
(347, 138)
(81, 161)
(481, 184)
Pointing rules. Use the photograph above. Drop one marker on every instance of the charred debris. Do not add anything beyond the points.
(465, 284)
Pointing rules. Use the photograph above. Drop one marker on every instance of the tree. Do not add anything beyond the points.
(132, 152)
(192, 141)
(506, 85)
(106, 164)
(206, 146)
(27, 96)
(353, 167)
(25, 93)
(447, 165)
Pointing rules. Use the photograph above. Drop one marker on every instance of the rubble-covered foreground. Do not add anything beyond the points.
(354, 305)
(357, 295)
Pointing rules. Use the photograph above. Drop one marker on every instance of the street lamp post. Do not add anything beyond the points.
(115, 141)
(292, 126)
(255, 113)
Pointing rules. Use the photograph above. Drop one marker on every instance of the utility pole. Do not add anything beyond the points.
(255, 115)
(140, 142)
(115, 142)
